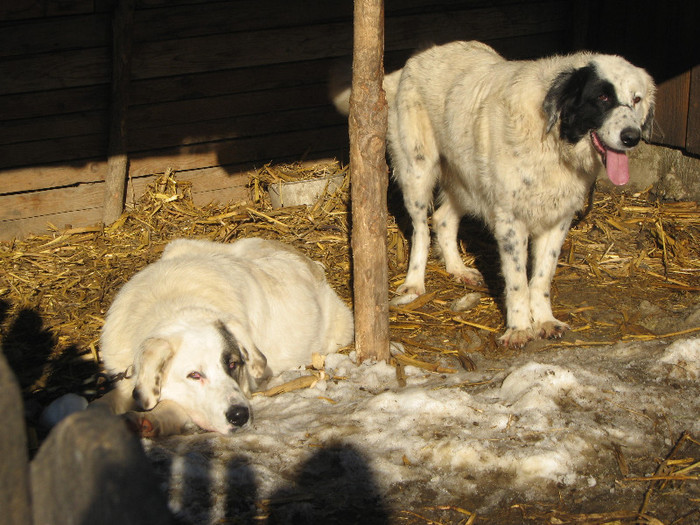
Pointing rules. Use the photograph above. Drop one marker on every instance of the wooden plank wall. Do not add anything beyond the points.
(217, 87)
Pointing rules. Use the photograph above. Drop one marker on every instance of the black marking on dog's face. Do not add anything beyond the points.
(648, 125)
(231, 358)
(581, 100)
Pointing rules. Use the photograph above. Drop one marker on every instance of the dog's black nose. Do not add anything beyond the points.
(237, 415)
(630, 137)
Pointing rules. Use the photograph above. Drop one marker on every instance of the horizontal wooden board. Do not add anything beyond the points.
(209, 185)
(187, 21)
(288, 44)
(24, 9)
(229, 82)
(56, 102)
(76, 68)
(77, 124)
(51, 35)
(252, 103)
(167, 132)
(254, 150)
(158, 90)
(241, 127)
(46, 128)
(298, 144)
(74, 149)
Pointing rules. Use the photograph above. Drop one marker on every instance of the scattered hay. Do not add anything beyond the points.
(628, 252)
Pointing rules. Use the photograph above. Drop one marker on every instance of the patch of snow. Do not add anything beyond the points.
(545, 424)
(683, 358)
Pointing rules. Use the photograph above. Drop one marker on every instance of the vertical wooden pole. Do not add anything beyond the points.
(369, 181)
(117, 161)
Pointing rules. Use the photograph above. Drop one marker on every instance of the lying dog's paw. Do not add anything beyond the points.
(551, 329)
(141, 425)
(516, 338)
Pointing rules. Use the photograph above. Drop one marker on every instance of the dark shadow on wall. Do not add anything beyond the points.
(44, 371)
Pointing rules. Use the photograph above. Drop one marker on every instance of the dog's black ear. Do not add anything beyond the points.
(564, 93)
(647, 127)
(151, 366)
(553, 99)
(254, 360)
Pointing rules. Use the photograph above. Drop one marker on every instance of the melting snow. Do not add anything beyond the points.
(528, 428)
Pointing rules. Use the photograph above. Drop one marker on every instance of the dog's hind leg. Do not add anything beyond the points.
(420, 245)
(545, 253)
(446, 223)
(416, 162)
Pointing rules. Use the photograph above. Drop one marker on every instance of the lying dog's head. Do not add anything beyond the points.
(608, 102)
(208, 368)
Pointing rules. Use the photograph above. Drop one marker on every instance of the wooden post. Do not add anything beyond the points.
(117, 161)
(369, 181)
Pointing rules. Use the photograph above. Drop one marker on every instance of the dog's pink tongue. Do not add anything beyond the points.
(617, 167)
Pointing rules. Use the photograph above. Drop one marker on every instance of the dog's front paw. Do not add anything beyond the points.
(551, 329)
(408, 288)
(516, 338)
(403, 299)
(407, 293)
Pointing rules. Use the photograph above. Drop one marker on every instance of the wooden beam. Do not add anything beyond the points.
(672, 106)
(692, 143)
(369, 181)
(118, 162)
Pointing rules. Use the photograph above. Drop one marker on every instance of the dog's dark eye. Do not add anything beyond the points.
(603, 97)
(636, 100)
(233, 365)
(196, 376)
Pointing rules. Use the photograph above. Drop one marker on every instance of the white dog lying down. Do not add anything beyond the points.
(518, 144)
(193, 333)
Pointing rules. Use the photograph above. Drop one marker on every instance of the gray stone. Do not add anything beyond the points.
(61, 408)
(92, 469)
(14, 465)
(671, 175)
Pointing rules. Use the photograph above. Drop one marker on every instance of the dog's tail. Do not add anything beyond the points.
(339, 87)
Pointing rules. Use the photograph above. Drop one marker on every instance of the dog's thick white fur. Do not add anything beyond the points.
(195, 331)
(516, 143)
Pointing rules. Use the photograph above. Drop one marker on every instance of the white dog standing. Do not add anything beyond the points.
(515, 143)
(193, 333)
